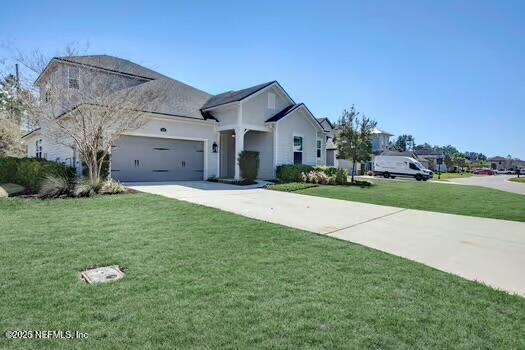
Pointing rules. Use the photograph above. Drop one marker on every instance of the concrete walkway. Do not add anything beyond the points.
(498, 182)
(486, 250)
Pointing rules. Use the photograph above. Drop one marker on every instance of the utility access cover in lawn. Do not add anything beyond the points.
(102, 274)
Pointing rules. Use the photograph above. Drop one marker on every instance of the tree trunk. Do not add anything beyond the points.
(93, 169)
(353, 170)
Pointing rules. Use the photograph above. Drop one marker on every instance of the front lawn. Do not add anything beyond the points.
(444, 198)
(518, 179)
(449, 176)
(198, 277)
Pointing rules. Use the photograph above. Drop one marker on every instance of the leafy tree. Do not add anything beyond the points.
(459, 160)
(354, 140)
(448, 161)
(10, 118)
(404, 143)
(424, 147)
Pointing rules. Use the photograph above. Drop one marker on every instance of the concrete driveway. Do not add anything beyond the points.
(498, 182)
(486, 250)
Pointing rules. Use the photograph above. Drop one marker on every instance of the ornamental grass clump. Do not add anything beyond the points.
(112, 187)
(54, 187)
(85, 188)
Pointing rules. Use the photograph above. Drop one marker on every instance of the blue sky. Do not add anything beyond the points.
(447, 72)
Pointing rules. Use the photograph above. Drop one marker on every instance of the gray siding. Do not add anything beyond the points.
(298, 124)
(255, 110)
(263, 143)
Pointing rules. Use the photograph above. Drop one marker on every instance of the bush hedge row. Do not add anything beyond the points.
(30, 172)
(293, 172)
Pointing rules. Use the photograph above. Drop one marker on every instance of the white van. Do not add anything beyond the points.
(392, 166)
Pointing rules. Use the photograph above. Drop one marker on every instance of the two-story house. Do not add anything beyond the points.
(190, 134)
(380, 141)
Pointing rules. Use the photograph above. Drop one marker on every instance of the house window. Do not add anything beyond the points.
(38, 148)
(271, 100)
(47, 96)
(73, 77)
(297, 150)
(319, 147)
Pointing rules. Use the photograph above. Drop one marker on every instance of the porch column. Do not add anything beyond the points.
(239, 147)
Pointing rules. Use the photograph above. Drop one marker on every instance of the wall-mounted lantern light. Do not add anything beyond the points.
(163, 130)
(214, 147)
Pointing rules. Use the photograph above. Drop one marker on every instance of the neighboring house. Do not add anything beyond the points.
(330, 146)
(502, 163)
(430, 160)
(190, 134)
(380, 143)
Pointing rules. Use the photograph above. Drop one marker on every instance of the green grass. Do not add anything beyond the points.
(8, 189)
(197, 277)
(291, 186)
(518, 179)
(448, 176)
(453, 199)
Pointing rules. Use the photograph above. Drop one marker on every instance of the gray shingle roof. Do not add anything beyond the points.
(379, 131)
(164, 96)
(234, 96)
(283, 113)
(321, 120)
(114, 64)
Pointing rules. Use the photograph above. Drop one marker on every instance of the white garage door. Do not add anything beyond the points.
(136, 158)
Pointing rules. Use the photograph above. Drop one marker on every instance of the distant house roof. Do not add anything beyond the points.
(378, 131)
(429, 153)
(234, 96)
(324, 119)
(497, 158)
(396, 153)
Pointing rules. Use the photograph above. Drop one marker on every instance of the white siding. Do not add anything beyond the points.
(227, 115)
(188, 130)
(299, 124)
(263, 143)
(90, 80)
(255, 110)
(51, 150)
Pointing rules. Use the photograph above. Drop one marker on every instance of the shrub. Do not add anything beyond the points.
(317, 177)
(54, 186)
(292, 173)
(290, 186)
(249, 164)
(370, 173)
(341, 176)
(328, 170)
(85, 188)
(112, 187)
(31, 172)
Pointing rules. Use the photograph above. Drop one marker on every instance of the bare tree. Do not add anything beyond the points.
(354, 139)
(88, 111)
